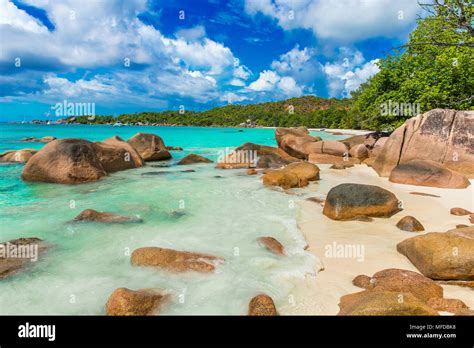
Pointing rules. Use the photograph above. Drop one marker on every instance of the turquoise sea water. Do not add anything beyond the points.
(220, 212)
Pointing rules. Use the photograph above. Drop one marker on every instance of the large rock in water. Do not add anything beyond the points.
(427, 173)
(383, 303)
(115, 154)
(173, 260)
(262, 305)
(295, 141)
(297, 174)
(65, 161)
(192, 158)
(272, 245)
(96, 216)
(251, 155)
(443, 136)
(45, 139)
(17, 156)
(149, 146)
(448, 255)
(15, 255)
(350, 201)
(126, 302)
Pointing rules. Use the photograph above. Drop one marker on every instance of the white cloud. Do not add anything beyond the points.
(344, 20)
(195, 33)
(293, 60)
(349, 72)
(289, 87)
(265, 82)
(270, 81)
(300, 64)
(237, 83)
(207, 54)
(19, 19)
(353, 79)
(231, 97)
(106, 34)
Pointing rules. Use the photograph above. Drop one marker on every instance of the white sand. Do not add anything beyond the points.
(321, 294)
(342, 131)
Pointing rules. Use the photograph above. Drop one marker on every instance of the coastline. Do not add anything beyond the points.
(333, 131)
(320, 295)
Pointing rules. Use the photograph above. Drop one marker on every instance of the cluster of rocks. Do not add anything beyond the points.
(398, 292)
(433, 149)
(73, 161)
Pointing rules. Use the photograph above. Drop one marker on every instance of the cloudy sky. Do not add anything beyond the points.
(138, 55)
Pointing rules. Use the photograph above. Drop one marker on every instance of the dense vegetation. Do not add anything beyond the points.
(309, 111)
(434, 69)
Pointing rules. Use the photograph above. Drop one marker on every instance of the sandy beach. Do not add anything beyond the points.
(341, 131)
(320, 295)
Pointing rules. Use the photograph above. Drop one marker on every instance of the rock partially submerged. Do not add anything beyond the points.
(297, 174)
(250, 155)
(149, 146)
(173, 260)
(45, 139)
(192, 159)
(65, 161)
(174, 148)
(262, 305)
(18, 254)
(96, 216)
(438, 135)
(410, 224)
(348, 201)
(272, 245)
(115, 154)
(17, 156)
(427, 173)
(126, 302)
(448, 255)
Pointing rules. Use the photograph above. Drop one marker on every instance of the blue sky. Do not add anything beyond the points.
(139, 55)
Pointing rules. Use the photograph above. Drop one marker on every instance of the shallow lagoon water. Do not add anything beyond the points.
(194, 211)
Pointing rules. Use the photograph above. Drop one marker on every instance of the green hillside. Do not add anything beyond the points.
(309, 111)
